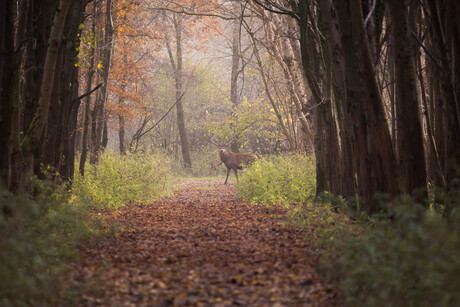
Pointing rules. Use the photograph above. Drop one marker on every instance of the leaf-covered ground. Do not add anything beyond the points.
(200, 247)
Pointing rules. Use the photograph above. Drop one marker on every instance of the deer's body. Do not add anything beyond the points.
(235, 161)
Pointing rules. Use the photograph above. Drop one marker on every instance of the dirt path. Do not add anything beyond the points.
(201, 247)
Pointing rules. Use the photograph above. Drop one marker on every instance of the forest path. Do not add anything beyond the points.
(200, 247)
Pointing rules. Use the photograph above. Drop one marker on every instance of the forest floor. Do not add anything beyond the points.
(200, 247)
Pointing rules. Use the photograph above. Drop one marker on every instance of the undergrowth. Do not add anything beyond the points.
(118, 180)
(406, 255)
(278, 179)
(36, 237)
(40, 233)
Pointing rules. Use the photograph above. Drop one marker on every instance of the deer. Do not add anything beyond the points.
(232, 160)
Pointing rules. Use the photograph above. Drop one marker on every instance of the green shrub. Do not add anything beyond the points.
(36, 237)
(280, 179)
(407, 257)
(117, 180)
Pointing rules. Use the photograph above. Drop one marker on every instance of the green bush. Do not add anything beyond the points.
(117, 180)
(279, 179)
(36, 236)
(406, 257)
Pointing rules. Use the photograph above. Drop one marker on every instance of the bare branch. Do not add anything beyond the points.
(371, 11)
(86, 94)
(183, 11)
(279, 9)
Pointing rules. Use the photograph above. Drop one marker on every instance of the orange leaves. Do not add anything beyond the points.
(131, 45)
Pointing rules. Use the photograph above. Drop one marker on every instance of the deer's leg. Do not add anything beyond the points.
(236, 174)
(228, 173)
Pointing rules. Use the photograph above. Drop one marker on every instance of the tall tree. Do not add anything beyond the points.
(89, 82)
(176, 64)
(409, 128)
(235, 70)
(7, 73)
(379, 172)
(33, 135)
(98, 116)
(334, 50)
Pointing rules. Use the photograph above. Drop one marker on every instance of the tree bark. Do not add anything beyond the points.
(380, 169)
(34, 133)
(16, 182)
(7, 72)
(335, 53)
(319, 80)
(99, 118)
(89, 81)
(121, 134)
(409, 129)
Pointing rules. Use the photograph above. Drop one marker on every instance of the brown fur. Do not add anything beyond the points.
(235, 161)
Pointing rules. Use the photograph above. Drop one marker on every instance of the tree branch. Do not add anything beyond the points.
(279, 9)
(183, 11)
(86, 94)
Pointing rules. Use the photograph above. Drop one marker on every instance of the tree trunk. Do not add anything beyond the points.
(7, 72)
(99, 118)
(235, 147)
(177, 68)
(380, 168)
(3, 9)
(445, 48)
(33, 135)
(121, 134)
(179, 94)
(353, 123)
(16, 181)
(409, 129)
(335, 53)
(105, 135)
(89, 82)
(58, 151)
(454, 14)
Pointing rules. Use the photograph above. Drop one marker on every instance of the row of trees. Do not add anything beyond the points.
(392, 65)
(39, 87)
(370, 87)
(383, 78)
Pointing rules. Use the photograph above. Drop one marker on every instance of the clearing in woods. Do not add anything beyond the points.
(200, 247)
